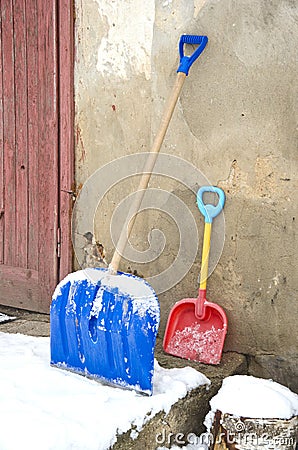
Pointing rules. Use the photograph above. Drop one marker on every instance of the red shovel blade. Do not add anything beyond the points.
(198, 339)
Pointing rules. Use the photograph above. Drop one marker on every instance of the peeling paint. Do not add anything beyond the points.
(236, 180)
(80, 144)
(126, 50)
(276, 279)
(265, 183)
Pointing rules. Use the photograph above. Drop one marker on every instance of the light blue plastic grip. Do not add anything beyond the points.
(208, 210)
(187, 61)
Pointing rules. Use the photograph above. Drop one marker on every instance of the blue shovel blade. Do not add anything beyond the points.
(105, 326)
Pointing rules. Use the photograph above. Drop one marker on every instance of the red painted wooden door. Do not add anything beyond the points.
(35, 150)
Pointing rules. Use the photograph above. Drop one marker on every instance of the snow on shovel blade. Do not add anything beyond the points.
(197, 339)
(104, 326)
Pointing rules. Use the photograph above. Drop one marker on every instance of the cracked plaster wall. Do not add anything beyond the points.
(236, 121)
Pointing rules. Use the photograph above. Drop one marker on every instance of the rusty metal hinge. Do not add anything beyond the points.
(59, 242)
(69, 192)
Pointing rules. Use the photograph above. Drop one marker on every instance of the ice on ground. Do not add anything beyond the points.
(45, 408)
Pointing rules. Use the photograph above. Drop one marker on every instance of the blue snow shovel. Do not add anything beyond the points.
(104, 323)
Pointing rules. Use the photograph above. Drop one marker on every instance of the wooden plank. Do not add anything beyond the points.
(22, 286)
(33, 132)
(8, 61)
(66, 105)
(48, 144)
(21, 148)
(1, 155)
(33, 150)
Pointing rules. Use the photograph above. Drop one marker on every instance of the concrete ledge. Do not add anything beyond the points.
(32, 324)
(186, 416)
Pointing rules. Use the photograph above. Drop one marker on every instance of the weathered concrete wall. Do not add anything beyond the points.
(235, 122)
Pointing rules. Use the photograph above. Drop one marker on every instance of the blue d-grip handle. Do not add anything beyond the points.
(187, 61)
(208, 210)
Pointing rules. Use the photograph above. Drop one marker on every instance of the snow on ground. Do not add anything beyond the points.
(46, 408)
(248, 396)
(5, 318)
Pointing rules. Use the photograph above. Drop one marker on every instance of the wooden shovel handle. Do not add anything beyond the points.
(147, 172)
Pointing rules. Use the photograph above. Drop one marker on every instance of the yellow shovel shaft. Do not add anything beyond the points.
(205, 255)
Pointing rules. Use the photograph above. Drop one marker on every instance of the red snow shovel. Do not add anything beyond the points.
(196, 328)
